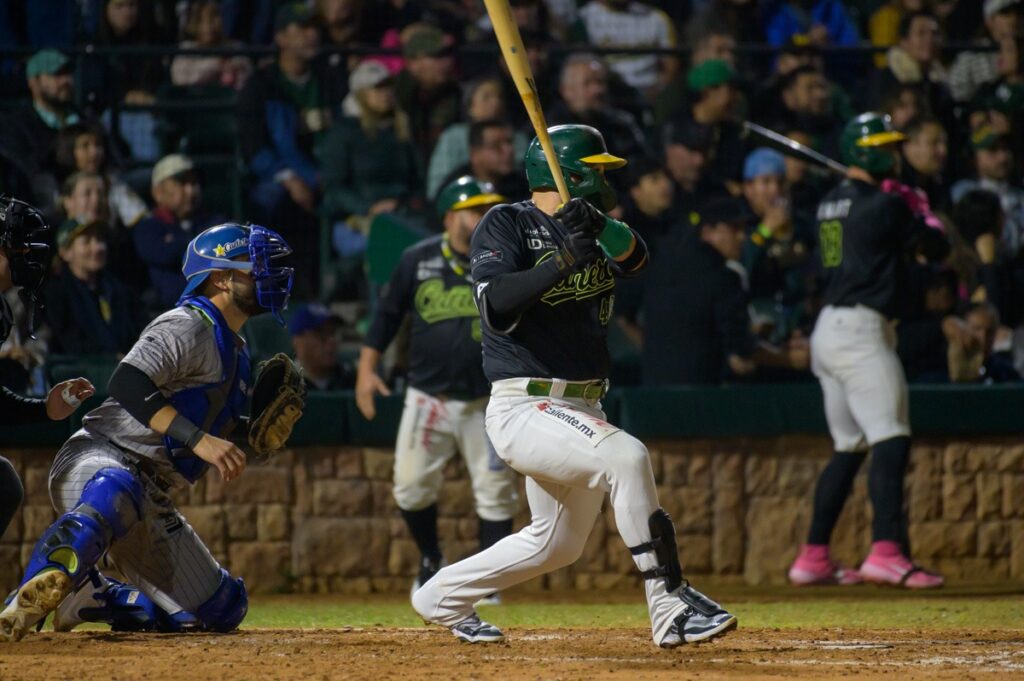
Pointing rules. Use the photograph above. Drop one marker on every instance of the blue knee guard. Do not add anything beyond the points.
(227, 607)
(109, 506)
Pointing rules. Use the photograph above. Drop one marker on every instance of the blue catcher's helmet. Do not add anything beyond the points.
(217, 249)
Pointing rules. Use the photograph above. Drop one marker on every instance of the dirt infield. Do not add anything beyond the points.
(432, 653)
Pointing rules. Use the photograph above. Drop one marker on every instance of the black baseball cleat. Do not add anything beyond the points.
(474, 630)
(428, 568)
(700, 620)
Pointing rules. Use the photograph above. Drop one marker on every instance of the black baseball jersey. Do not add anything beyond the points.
(432, 284)
(562, 335)
(865, 235)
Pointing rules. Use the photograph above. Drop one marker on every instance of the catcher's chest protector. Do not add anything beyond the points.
(215, 407)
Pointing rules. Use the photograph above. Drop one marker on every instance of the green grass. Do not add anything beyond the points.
(870, 609)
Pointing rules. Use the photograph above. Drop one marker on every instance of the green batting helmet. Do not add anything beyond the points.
(467, 192)
(581, 153)
(864, 140)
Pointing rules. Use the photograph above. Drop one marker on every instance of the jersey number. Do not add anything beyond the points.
(831, 232)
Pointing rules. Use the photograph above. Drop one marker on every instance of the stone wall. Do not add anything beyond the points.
(322, 519)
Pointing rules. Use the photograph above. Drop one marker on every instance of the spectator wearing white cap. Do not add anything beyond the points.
(161, 237)
(368, 160)
(971, 70)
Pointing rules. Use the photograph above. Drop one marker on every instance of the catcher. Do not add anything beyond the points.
(174, 399)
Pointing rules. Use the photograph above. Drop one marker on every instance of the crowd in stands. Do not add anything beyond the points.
(136, 124)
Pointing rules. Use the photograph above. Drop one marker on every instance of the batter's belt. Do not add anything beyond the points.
(591, 391)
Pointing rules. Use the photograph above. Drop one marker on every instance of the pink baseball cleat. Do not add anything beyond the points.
(886, 564)
(814, 567)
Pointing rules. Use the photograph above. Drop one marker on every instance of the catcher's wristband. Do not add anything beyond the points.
(183, 430)
(616, 238)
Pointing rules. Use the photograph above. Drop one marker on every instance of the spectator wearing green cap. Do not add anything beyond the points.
(29, 132)
(994, 167)
(712, 86)
(426, 88)
(88, 310)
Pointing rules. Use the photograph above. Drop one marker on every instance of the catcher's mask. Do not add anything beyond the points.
(23, 234)
(216, 249)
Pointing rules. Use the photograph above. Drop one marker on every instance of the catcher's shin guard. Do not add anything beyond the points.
(663, 544)
(108, 508)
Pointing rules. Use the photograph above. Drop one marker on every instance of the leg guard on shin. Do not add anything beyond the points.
(663, 544)
(109, 506)
(227, 607)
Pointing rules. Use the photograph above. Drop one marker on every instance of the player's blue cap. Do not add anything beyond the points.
(763, 161)
(310, 318)
(219, 247)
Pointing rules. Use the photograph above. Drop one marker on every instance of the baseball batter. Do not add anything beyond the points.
(175, 396)
(544, 280)
(865, 237)
(447, 394)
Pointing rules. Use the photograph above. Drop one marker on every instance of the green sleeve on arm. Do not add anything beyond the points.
(616, 238)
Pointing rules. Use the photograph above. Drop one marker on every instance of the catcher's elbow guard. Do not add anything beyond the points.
(663, 544)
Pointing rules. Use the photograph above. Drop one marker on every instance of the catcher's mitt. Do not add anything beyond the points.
(278, 398)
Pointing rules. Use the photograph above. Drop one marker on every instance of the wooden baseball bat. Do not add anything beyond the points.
(519, 66)
(790, 147)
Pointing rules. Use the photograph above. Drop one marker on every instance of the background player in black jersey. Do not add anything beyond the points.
(866, 237)
(24, 263)
(447, 395)
(544, 280)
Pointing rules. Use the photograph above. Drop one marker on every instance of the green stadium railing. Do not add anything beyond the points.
(331, 418)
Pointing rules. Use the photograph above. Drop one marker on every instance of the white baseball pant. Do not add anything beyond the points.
(430, 432)
(572, 457)
(865, 390)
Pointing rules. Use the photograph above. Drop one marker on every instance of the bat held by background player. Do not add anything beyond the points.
(790, 147)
